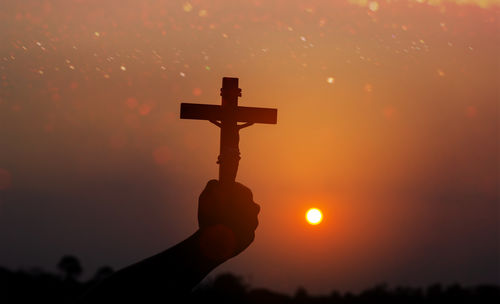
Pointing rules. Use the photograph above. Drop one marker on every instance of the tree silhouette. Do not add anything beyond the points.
(37, 286)
(70, 267)
(301, 295)
(102, 273)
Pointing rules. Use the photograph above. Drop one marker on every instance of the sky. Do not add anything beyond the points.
(387, 122)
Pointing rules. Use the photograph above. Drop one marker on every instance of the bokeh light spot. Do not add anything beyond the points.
(187, 7)
(144, 109)
(389, 112)
(471, 111)
(373, 6)
(368, 88)
(162, 155)
(197, 92)
(131, 102)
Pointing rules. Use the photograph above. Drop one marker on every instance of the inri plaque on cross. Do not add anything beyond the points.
(226, 117)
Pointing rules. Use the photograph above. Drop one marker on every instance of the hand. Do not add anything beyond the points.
(227, 217)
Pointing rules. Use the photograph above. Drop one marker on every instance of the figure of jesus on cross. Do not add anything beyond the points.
(226, 117)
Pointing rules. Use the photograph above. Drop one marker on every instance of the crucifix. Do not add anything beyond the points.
(226, 117)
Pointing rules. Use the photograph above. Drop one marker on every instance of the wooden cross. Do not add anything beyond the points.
(226, 117)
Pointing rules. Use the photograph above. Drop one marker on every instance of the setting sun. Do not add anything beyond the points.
(314, 216)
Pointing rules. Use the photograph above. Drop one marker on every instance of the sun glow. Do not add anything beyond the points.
(314, 216)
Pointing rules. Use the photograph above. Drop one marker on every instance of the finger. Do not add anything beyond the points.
(255, 224)
(243, 190)
(212, 185)
(256, 208)
(249, 216)
(207, 203)
(210, 189)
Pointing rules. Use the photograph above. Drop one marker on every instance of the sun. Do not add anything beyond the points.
(314, 216)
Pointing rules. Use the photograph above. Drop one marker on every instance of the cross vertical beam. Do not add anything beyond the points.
(229, 155)
(226, 116)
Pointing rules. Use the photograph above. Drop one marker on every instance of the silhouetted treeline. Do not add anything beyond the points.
(36, 286)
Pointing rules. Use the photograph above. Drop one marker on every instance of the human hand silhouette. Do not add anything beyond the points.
(227, 217)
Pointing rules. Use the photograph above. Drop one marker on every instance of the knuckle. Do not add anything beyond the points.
(213, 183)
(256, 207)
(244, 190)
(210, 187)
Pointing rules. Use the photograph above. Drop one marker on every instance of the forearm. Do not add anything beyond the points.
(228, 219)
(171, 273)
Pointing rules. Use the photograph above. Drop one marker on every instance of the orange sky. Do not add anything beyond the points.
(388, 122)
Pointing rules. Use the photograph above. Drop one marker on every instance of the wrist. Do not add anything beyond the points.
(217, 243)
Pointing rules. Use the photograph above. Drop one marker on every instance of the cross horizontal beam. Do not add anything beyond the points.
(241, 114)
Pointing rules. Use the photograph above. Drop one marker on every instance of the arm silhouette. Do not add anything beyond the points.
(227, 218)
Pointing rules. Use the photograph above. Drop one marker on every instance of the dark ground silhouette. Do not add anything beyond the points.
(37, 286)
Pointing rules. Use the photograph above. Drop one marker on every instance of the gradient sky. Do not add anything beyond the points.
(388, 122)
